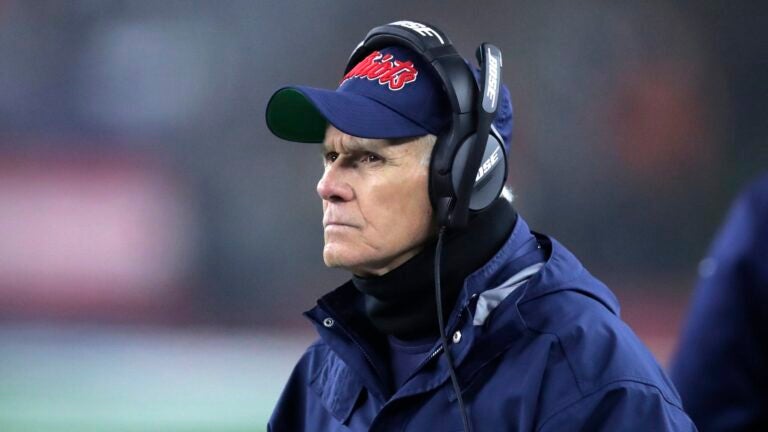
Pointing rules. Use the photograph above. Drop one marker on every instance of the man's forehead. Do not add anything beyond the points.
(335, 140)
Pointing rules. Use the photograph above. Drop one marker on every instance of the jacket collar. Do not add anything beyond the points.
(563, 271)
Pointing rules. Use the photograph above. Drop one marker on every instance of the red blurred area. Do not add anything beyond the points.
(102, 235)
(660, 122)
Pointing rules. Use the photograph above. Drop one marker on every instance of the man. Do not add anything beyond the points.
(721, 365)
(536, 341)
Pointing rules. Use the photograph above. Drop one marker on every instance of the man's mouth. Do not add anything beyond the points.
(337, 224)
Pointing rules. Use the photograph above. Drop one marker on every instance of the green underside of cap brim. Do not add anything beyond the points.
(291, 116)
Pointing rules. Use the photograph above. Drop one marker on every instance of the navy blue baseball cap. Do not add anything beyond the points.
(390, 94)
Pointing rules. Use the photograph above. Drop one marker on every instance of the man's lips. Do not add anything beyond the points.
(337, 224)
(332, 216)
(331, 219)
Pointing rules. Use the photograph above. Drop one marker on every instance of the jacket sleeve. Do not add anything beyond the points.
(719, 368)
(625, 406)
(290, 412)
(295, 410)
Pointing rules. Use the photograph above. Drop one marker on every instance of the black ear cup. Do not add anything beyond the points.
(491, 175)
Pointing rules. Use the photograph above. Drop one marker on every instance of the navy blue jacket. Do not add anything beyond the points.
(552, 356)
(721, 367)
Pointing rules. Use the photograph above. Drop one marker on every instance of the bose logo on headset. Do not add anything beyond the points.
(419, 28)
(488, 164)
(492, 90)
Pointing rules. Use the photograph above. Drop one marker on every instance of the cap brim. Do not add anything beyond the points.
(302, 114)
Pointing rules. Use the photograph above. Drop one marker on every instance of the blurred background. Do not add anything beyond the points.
(158, 245)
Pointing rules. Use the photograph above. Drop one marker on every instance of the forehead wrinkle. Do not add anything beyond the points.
(346, 143)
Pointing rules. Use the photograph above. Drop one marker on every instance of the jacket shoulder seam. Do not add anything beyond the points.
(602, 388)
(586, 391)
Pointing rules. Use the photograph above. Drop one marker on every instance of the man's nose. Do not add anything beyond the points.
(333, 187)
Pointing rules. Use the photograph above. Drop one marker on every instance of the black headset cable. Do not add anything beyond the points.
(443, 338)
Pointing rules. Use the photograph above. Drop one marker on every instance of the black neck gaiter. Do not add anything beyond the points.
(401, 303)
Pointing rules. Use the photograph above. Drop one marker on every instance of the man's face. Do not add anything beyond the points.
(376, 209)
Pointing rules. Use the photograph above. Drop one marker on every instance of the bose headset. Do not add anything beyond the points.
(458, 182)
(468, 168)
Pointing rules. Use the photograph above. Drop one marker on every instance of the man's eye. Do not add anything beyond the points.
(330, 157)
(370, 157)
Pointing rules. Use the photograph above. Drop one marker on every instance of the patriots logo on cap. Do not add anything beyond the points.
(384, 69)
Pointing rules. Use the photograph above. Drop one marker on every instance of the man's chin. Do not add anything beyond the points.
(335, 258)
(336, 255)
(348, 260)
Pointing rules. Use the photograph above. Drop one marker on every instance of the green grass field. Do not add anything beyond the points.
(77, 378)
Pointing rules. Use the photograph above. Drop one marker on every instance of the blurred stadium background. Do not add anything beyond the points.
(158, 245)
